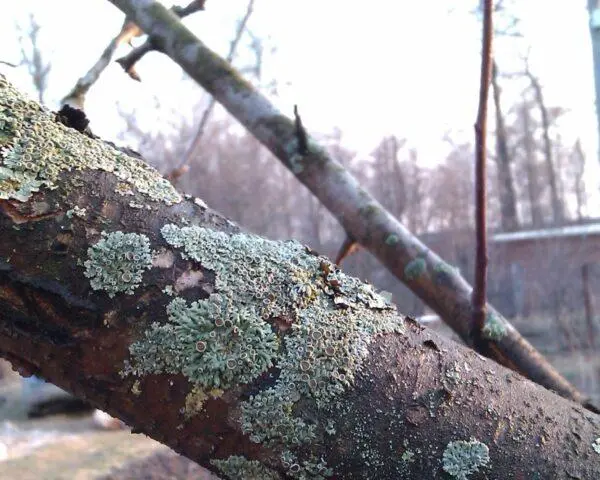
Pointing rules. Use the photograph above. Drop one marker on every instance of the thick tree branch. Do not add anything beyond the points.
(438, 284)
(254, 358)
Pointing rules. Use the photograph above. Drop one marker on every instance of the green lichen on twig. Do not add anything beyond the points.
(117, 261)
(494, 328)
(35, 150)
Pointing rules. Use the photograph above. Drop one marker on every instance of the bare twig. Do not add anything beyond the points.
(301, 136)
(348, 248)
(129, 61)
(76, 97)
(195, 143)
(481, 261)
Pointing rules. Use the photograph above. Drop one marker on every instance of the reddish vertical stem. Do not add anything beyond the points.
(479, 290)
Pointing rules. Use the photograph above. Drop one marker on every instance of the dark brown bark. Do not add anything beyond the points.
(478, 299)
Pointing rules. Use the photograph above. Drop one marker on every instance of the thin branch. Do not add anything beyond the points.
(129, 30)
(348, 248)
(195, 143)
(434, 281)
(129, 61)
(481, 261)
(301, 135)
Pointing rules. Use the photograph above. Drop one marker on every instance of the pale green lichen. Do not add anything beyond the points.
(392, 239)
(324, 321)
(197, 397)
(408, 456)
(311, 469)
(117, 261)
(35, 150)
(236, 467)
(494, 327)
(168, 290)
(596, 445)
(211, 342)
(76, 211)
(462, 458)
(415, 268)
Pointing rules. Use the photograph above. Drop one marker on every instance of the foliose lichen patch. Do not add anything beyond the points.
(35, 149)
(274, 305)
(461, 458)
(415, 268)
(117, 261)
(236, 467)
(213, 343)
(494, 327)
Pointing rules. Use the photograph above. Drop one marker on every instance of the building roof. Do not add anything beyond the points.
(545, 233)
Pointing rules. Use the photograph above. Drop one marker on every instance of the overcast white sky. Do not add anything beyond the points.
(373, 68)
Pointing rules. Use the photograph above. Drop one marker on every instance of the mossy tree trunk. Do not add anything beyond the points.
(257, 359)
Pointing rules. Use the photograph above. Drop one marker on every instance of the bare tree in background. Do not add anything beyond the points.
(197, 138)
(577, 170)
(32, 57)
(506, 188)
(391, 183)
(558, 214)
(529, 160)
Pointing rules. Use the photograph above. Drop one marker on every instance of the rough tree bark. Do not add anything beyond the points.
(257, 359)
(438, 284)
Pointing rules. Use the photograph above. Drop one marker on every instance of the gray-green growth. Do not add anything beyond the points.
(117, 261)
(415, 268)
(494, 328)
(462, 458)
(240, 468)
(35, 149)
(330, 320)
(211, 342)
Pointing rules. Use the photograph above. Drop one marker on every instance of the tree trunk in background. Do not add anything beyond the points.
(578, 163)
(594, 14)
(588, 303)
(506, 187)
(557, 206)
(533, 187)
